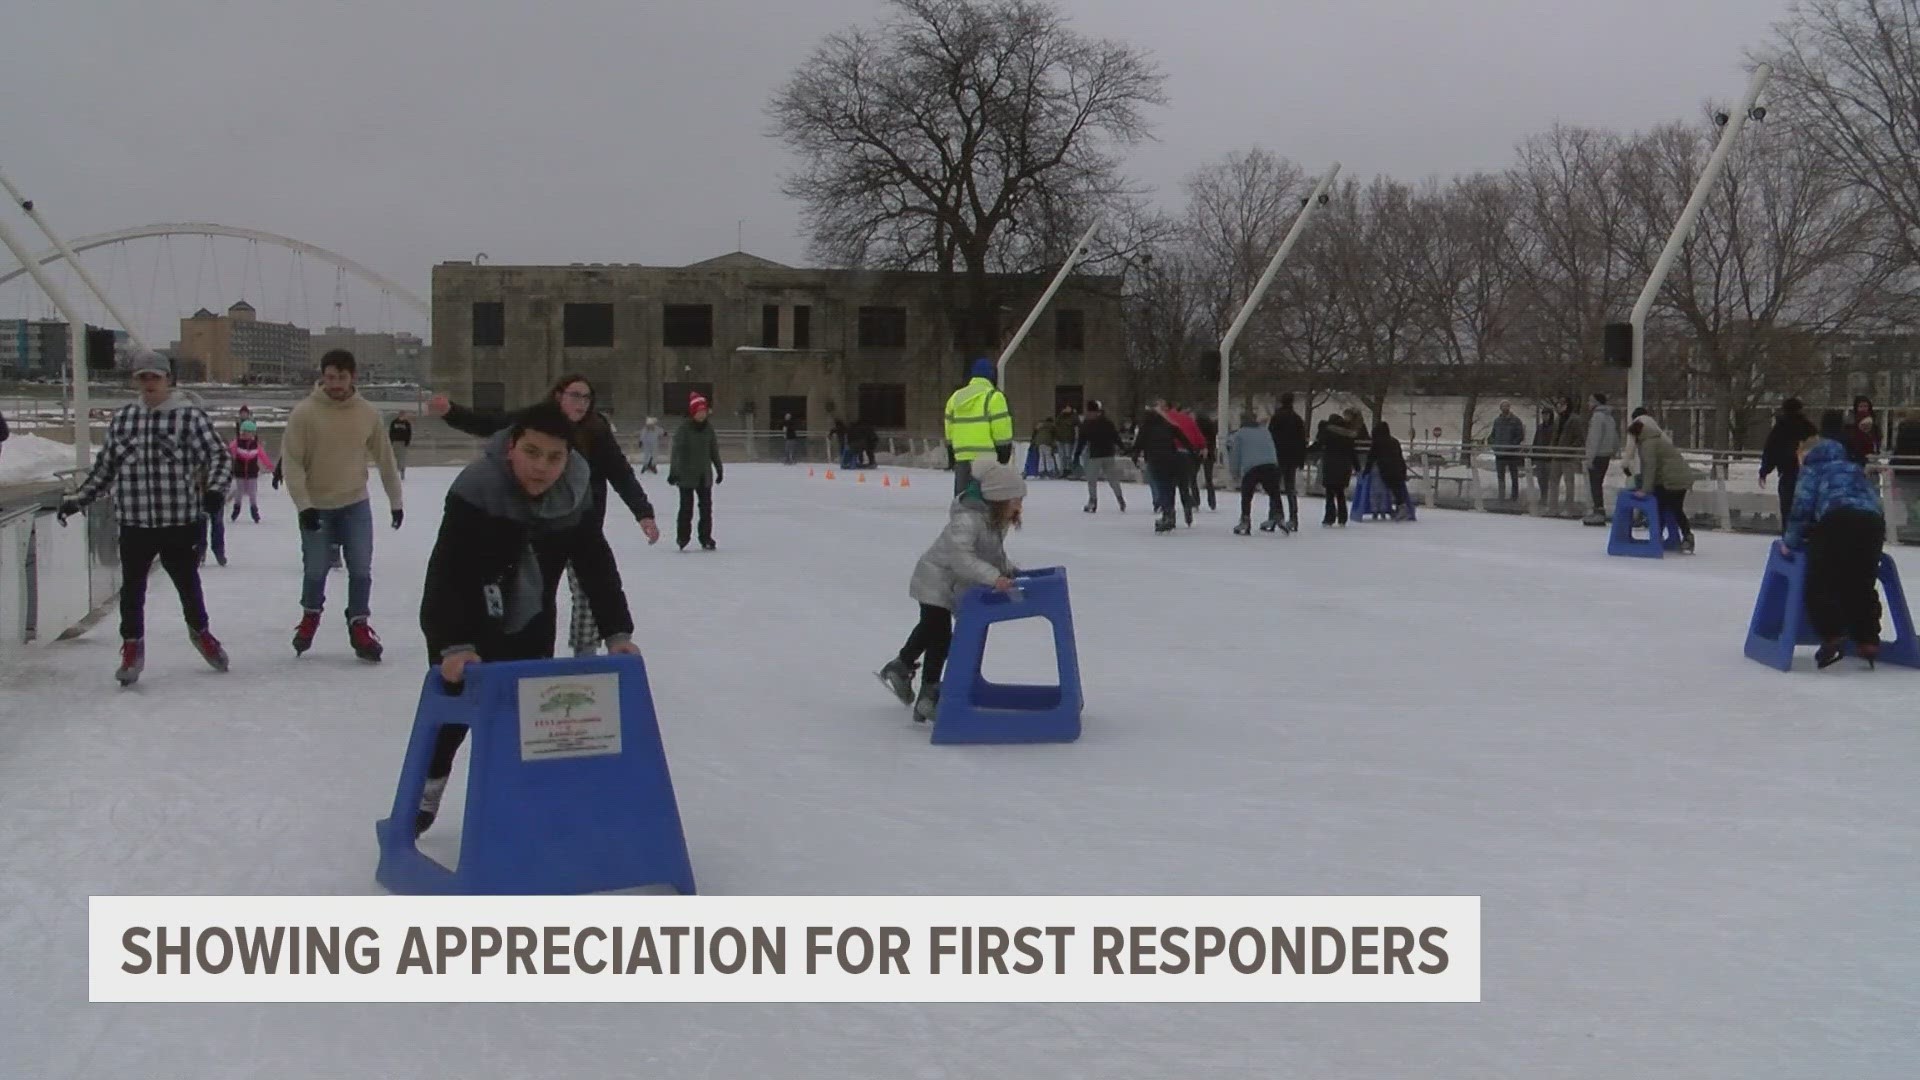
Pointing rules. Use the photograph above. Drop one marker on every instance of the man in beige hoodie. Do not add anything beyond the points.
(330, 440)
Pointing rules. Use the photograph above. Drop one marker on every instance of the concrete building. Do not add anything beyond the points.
(386, 358)
(237, 347)
(759, 339)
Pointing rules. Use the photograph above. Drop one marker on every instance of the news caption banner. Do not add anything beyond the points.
(784, 948)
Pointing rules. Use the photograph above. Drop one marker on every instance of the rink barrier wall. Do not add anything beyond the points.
(55, 581)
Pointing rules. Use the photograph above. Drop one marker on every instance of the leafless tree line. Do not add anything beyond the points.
(972, 137)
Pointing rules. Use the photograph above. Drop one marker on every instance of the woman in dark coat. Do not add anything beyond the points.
(609, 466)
(1389, 463)
(1336, 442)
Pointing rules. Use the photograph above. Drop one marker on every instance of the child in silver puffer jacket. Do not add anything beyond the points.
(970, 552)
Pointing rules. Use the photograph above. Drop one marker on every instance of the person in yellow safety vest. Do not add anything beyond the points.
(978, 423)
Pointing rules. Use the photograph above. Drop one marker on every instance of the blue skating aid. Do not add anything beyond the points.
(567, 787)
(973, 710)
(1620, 538)
(1780, 620)
(1372, 499)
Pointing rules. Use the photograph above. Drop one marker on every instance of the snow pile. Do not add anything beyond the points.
(26, 459)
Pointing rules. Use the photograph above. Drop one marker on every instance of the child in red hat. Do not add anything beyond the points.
(694, 468)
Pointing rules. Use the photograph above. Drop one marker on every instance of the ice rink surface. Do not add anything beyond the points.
(1692, 865)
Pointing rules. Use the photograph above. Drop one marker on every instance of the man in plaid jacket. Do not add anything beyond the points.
(154, 449)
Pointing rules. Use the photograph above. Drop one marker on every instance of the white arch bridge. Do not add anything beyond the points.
(204, 228)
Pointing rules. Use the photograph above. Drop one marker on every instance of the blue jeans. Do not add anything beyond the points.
(351, 527)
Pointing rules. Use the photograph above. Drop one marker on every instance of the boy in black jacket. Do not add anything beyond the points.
(513, 519)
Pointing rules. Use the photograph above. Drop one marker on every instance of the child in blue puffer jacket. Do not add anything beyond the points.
(1837, 521)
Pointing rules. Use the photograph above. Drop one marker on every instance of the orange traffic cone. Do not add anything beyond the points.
(903, 482)
(809, 472)
(863, 478)
(829, 474)
(886, 481)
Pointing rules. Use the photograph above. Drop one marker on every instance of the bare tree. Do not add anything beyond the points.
(1377, 253)
(1784, 256)
(1468, 280)
(946, 138)
(1570, 211)
(1303, 326)
(1848, 72)
(1165, 308)
(1238, 211)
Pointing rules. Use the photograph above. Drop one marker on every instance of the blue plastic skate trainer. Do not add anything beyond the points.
(567, 787)
(1780, 620)
(1655, 545)
(973, 710)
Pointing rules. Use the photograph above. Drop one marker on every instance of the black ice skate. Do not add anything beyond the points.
(1245, 528)
(927, 704)
(898, 679)
(429, 805)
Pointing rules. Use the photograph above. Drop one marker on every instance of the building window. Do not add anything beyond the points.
(884, 405)
(770, 326)
(686, 326)
(1068, 397)
(489, 396)
(489, 324)
(587, 326)
(802, 327)
(673, 396)
(1069, 330)
(780, 405)
(883, 328)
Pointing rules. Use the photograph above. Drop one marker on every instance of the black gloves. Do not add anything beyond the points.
(1004, 453)
(213, 502)
(68, 508)
(310, 520)
(276, 481)
(718, 475)
(397, 515)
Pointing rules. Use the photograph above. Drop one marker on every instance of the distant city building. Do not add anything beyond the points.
(33, 348)
(239, 347)
(397, 357)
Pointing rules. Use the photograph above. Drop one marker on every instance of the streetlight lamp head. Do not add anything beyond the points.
(1720, 119)
(1758, 112)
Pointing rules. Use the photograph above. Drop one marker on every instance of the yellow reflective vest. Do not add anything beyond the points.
(978, 421)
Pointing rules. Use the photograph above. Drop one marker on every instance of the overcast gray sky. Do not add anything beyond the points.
(406, 132)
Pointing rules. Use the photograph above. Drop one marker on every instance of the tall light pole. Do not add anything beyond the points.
(1073, 259)
(1737, 120)
(73, 260)
(1314, 200)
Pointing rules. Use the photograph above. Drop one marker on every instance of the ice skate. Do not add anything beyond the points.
(1122, 501)
(210, 649)
(303, 634)
(429, 805)
(366, 643)
(1090, 508)
(1271, 524)
(927, 704)
(897, 677)
(1164, 523)
(1245, 528)
(133, 660)
(1868, 651)
(1686, 545)
(1828, 654)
